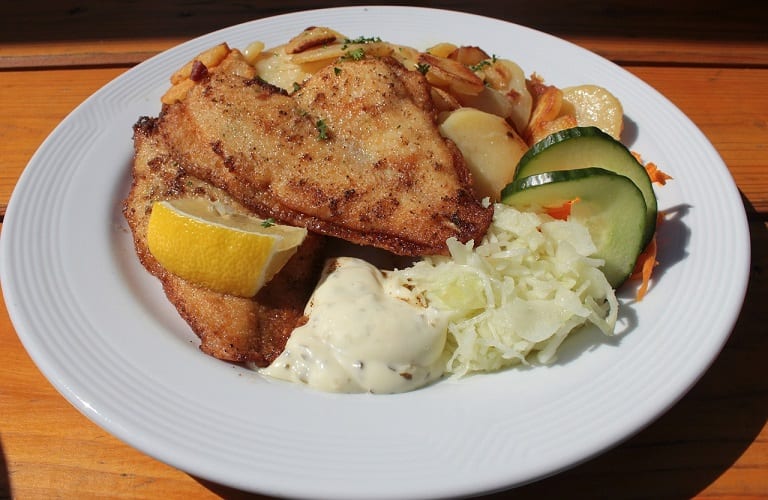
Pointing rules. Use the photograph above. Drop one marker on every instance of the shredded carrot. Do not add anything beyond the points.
(654, 173)
(657, 175)
(644, 268)
(646, 261)
(561, 212)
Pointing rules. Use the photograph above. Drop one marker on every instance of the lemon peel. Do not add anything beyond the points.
(207, 244)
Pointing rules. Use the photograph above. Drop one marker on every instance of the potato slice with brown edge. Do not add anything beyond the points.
(490, 146)
(451, 75)
(443, 100)
(335, 51)
(508, 78)
(491, 101)
(546, 107)
(210, 58)
(545, 128)
(469, 55)
(314, 36)
(185, 77)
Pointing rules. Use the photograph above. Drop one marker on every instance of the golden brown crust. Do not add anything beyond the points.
(354, 154)
(230, 328)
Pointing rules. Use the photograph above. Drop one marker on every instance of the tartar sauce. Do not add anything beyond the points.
(363, 336)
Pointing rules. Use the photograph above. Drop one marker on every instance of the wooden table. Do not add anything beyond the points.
(710, 61)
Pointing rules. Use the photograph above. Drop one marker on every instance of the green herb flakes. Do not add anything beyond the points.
(322, 130)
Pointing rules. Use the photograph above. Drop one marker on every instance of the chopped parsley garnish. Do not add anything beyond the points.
(268, 222)
(336, 70)
(422, 68)
(480, 65)
(296, 86)
(360, 40)
(355, 54)
(484, 64)
(322, 130)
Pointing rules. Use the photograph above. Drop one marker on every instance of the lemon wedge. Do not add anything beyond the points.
(211, 246)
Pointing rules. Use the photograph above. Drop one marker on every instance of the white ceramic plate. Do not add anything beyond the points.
(99, 328)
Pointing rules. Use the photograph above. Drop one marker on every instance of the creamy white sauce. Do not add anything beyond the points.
(363, 336)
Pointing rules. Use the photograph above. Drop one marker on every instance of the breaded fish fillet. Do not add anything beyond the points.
(230, 328)
(355, 153)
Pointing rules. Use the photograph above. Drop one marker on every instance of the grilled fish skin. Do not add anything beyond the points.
(230, 328)
(355, 153)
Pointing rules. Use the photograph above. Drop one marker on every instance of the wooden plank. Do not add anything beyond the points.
(33, 104)
(621, 50)
(38, 32)
(60, 54)
(729, 106)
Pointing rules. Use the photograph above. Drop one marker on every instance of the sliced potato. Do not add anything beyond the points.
(593, 105)
(337, 50)
(443, 100)
(507, 77)
(489, 100)
(276, 67)
(253, 51)
(210, 58)
(545, 128)
(451, 75)
(546, 107)
(490, 146)
(177, 92)
(408, 56)
(315, 36)
(469, 55)
(441, 49)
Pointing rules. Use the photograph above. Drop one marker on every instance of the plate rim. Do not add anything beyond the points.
(20, 315)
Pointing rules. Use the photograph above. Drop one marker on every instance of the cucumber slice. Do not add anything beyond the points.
(609, 205)
(584, 147)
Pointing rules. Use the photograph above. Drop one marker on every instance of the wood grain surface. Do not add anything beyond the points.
(710, 58)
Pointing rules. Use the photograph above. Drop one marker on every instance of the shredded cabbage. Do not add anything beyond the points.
(520, 292)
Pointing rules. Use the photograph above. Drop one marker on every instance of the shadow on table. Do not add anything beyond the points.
(48, 20)
(696, 441)
(5, 476)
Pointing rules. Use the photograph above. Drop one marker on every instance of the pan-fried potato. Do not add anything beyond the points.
(329, 53)
(546, 107)
(507, 78)
(315, 36)
(278, 68)
(469, 55)
(210, 58)
(177, 92)
(443, 100)
(253, 51)
(490, 146)
(451, 75)
(594, 105)
(491, 101)
(185, 77)
(408, 56)
(443, 49)
(542, 129)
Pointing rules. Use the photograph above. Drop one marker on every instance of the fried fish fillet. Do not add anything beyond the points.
(354, 153)
(230, 328)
